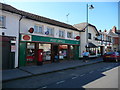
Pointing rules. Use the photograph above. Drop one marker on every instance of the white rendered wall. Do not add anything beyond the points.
(26, 24)
(84, 41)
(11, 29)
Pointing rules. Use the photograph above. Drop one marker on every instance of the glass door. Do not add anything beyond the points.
(30, 54)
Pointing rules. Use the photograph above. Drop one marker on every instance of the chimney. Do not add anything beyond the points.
(99, 30)
(114, 29)
(105, 30)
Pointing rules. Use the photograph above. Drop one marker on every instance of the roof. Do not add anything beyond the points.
(83, 26)
(28, 15)
(113, 34)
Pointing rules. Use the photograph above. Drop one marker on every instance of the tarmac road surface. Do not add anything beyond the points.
(80, 77)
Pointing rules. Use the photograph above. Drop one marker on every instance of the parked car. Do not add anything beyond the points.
(119, 56)
(111, 56)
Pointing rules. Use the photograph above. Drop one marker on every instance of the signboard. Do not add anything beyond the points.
(48, 39)
(13, 48)
(54, 40)
(26, 38)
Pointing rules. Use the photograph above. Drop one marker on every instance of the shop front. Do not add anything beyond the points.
(40, 50)
(93, 49)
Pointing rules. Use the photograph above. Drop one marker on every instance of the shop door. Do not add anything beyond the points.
(102, 50)
(71, 52)
(55, 52)
(5, 55)
(30, 55)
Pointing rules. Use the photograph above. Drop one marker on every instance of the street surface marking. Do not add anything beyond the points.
(74, 77)
(44, 87)
(82, 75)
(108, 68)
(60, 82)
(91, 72)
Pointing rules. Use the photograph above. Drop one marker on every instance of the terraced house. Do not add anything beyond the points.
(105, 41)
(35, 38)
(88, 39)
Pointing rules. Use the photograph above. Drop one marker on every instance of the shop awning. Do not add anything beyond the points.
(91, 45)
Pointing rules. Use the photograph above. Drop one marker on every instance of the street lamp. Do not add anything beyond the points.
(90, 7)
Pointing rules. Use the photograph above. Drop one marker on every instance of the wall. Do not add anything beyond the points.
(84, 41)
(11, 29)
(93, 33)
(26, 24)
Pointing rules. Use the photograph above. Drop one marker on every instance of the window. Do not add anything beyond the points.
(50, 31)
(61, 33)
(2, 21)
(89, 35)
(38, 29)
(69, 34)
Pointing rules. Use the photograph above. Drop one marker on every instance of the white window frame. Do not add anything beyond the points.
(50, 31)
(2, 21)
(61, 33)
(38, 29)
(69, 33)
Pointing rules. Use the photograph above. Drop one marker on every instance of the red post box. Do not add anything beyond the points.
(40, 57)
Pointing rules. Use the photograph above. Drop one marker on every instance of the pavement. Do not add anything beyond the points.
(29, 71)
(111, 76)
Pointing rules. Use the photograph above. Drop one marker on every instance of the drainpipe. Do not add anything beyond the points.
(19, 40)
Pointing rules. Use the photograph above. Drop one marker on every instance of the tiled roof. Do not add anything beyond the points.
(112, 34)
(28, 15)
(83, 26)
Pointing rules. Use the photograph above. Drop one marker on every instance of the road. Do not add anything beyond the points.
(80, 77)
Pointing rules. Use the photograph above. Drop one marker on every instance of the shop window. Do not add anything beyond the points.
(99, 50)
(50, 31)
(69, 34)
(2, 21)
(30, 45)
(89, 35)
(38, 29)
(92, 51)
(61, 33)
(63, 51)
(46, 51)
(30, 53)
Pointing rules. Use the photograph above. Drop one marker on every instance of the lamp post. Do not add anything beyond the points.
(90, 7)
(21, 17)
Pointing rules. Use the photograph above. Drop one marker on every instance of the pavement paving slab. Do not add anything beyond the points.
(13, 74)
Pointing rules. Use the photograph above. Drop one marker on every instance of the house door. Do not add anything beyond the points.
(7, 56)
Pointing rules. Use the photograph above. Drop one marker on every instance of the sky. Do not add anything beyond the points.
(103, 16)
